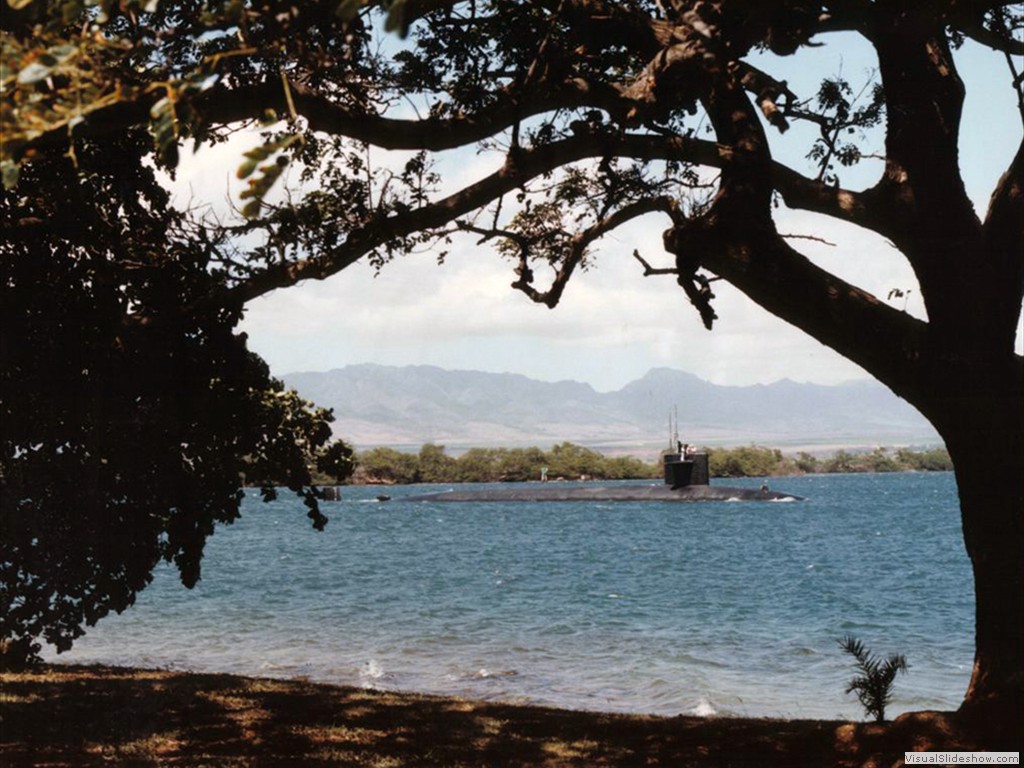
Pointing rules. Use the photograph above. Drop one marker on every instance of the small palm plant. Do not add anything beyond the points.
(874, 684)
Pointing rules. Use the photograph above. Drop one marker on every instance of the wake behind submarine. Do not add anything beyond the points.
(686, 479)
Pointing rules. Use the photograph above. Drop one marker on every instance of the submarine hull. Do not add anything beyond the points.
(609, 493)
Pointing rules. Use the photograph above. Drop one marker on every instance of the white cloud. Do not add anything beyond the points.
(611, 326)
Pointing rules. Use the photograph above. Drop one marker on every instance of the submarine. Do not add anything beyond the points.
(686, 479)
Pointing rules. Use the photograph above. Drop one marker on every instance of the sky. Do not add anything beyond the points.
(613, 324)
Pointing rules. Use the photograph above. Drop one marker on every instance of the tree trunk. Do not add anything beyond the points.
(969, 385)
(983, 426)
(991, 506)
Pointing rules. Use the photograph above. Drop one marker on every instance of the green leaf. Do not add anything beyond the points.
(347, 9)
(246, 169)
(396, 21)
(35, 72)
(46, 64)
(163, 127)
(9, 170)
(261, 183)
(161, 106)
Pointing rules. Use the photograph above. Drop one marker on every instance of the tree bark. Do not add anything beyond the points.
(980, 415)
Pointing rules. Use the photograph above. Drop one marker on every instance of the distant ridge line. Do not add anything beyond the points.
(407, 406)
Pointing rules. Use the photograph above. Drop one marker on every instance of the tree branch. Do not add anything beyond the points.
(972, 25)
(649, 270)
(579, 243)
(736, 240)
(1003, 234)
(799, 191)
(229, 103)
(519, 168)
(851, 321)
(768, 91)
(226, 105)
(813, 238)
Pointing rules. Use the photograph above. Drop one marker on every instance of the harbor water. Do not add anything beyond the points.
(661, 608)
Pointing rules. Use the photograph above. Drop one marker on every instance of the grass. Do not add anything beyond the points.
(82, 716)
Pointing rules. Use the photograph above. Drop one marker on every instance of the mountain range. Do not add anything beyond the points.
(405, 407)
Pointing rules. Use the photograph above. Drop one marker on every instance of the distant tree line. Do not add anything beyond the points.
(432, 464)
(567, 461)
(757, 461)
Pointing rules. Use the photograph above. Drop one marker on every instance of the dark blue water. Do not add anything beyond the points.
(729, 608)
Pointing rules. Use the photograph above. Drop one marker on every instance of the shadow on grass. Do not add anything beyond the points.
(79, 716)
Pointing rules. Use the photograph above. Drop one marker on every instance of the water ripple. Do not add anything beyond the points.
(660, 608)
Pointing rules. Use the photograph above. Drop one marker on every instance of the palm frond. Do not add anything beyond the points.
(874, 685)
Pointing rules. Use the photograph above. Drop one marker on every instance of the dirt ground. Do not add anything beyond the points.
(83, 716)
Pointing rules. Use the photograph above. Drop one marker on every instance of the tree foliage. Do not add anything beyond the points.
(757, 461)
(567, 461)
(747, 461)
(386, 465)
(432, 464)
(597, 112)
(127, 423)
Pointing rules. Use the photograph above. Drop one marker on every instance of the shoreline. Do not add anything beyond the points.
(74, 715)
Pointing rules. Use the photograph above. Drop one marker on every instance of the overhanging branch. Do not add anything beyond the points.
(888, 342)
(866, 209)
(1003, 234)
(520, 167)
(579, 243)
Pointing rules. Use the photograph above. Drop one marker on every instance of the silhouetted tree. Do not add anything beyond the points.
(127, 424)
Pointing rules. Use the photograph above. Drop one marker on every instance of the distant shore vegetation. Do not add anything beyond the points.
(755, 461)
(567, 461)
